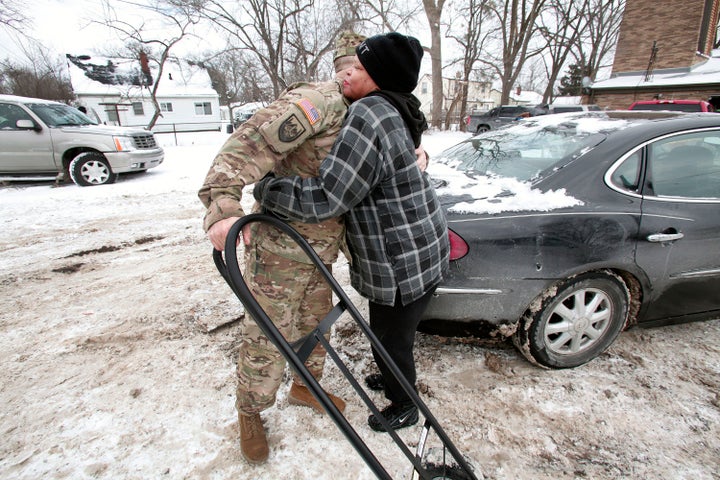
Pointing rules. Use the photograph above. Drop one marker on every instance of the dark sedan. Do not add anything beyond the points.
(568, 228)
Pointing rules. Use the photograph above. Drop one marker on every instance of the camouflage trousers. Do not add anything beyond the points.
(296, 298)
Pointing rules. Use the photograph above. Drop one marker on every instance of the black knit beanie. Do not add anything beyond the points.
(392, 60)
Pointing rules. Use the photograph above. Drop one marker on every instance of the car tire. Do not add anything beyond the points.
(91, 168)
(574, 321)
(482, 129)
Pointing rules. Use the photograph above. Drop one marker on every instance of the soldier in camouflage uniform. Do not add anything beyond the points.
(289, 137)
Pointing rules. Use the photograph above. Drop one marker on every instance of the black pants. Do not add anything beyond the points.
(395, 328)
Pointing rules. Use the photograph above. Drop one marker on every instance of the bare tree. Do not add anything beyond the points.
(38, 74)
(535, 76)
(471, 16)
(286, 37)
(517, 20)
(12, 16)
(598, 41)
(387, 15)
(235, 78)
(561, 27)
(433, 11)
(40, 77)
(178, 19)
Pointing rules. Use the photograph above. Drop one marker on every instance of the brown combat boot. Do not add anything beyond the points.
(300, 395)
(253, 444)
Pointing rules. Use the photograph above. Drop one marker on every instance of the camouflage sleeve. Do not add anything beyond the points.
(254, 149)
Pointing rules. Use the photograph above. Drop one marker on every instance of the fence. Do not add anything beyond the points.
(197, 127)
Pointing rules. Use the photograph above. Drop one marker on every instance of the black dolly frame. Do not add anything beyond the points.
(297, 353)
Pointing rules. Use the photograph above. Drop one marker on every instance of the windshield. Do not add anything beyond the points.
(529, 149)
(58, 115)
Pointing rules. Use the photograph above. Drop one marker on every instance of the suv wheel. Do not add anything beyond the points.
(91, 168)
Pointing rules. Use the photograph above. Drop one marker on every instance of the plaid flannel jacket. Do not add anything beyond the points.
(396, 229)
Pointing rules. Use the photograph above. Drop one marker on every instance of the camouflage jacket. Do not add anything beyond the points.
(396, 228)
(290, 137)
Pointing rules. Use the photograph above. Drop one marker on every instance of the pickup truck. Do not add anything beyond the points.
(41, 138)
(497, 117)
(674, 105)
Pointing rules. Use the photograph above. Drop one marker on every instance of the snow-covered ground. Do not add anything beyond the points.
(118, 348)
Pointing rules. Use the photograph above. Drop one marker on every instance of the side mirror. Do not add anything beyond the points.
(28, 125)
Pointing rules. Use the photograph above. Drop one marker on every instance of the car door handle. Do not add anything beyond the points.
(664, 237)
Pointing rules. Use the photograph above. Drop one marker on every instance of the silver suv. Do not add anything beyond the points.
(41, 138)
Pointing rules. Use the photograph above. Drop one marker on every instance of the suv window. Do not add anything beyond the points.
(511, 111)
(10, 114)
(59, 115)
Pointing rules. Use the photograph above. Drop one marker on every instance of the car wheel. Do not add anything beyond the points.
(574, 321)
(482, 129)
(91, 168)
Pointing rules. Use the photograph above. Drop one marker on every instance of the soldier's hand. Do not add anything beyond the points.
(218, 232)
(422, 158)
(246, 234)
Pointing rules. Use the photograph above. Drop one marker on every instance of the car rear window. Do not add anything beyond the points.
(529, 150)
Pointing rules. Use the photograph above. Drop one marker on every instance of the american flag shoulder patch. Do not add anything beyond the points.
(309, 110)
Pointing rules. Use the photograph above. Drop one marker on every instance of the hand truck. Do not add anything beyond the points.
(297, 353)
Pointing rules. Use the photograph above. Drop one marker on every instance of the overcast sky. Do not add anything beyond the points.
(70, 26)
(61, 25)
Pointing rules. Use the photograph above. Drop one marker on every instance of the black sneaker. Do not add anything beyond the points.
(375, 382)
(398, 415)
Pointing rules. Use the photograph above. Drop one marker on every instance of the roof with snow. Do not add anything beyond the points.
(567, 100)
(526, 97)
(125, 77)
(707, 72)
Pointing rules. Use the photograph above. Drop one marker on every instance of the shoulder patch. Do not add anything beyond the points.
(312, 113)
(290, 129)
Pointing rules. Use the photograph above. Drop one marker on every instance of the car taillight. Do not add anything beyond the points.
(458, 246)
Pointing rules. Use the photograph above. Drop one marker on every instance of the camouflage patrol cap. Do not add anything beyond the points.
(346, 43)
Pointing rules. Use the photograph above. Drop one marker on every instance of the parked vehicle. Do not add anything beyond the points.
(496, 118)
(568, 228)
(566, 108)
(40, 138)
(242, 117)
(673, 105)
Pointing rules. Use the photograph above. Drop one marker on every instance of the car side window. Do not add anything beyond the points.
(627, 175)
(686, 166)
(509, 111)
(10, 114)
